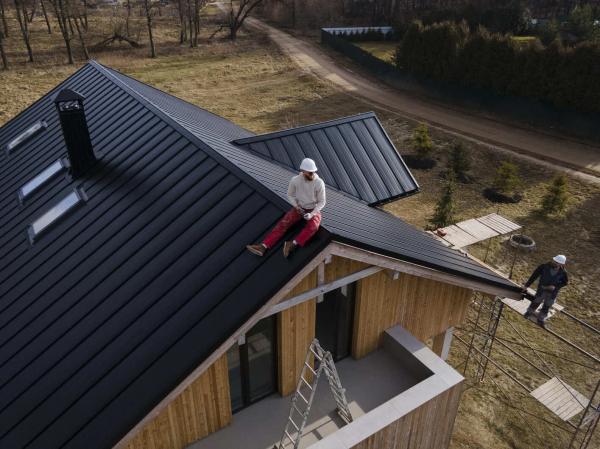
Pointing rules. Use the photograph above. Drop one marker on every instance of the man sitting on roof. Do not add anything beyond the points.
(553, 277)
(306, 192)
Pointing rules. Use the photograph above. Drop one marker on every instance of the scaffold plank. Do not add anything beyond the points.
(561, 399)
(522, 306)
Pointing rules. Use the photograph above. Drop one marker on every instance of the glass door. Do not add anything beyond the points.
(335, 316)
(252, 366)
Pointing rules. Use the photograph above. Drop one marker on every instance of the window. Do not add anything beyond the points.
(252, 365)
(41, 179)
(57, 211)
(28, 133)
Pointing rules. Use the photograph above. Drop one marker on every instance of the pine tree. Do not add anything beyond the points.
(459, 162)
(507, 179)
(557, 196)
(422, 142)
(444, 209)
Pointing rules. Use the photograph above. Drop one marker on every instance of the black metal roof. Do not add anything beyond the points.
(354, 155)
(115, 305)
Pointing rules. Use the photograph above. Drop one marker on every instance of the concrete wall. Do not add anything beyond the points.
(421, 417)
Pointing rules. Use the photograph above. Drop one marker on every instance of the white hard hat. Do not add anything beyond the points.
(308, 165)
(560, 259)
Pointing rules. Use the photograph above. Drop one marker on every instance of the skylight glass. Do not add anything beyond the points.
(41, 179)
(56, 212)
(29, 132)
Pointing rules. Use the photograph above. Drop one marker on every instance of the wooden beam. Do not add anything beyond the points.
(351, 252)
(233, 339)
(393, 274)
(322, 289)
(321, 280)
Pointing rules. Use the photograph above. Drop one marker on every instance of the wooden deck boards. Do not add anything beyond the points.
(476, 230)
(561, 399)
(522, 306)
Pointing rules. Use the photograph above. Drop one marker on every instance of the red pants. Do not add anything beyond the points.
(289, 219)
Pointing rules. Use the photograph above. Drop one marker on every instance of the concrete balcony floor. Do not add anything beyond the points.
(369, 382)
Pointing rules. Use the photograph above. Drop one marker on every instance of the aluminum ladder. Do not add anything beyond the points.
(305, 394)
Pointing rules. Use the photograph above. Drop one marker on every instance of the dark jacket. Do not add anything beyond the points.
(559, 280)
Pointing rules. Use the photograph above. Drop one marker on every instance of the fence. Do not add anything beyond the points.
(520, 110)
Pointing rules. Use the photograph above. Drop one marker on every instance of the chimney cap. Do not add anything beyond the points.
(68, 95)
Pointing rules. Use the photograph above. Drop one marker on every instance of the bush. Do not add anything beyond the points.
(459, 163)
(549, 31)
(507, 179)
(445, 208)
(557, 196)
(422, 143)
(565, 77)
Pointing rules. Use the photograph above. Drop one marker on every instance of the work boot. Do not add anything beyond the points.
(542, 323)
(288, 247)
(259, 249)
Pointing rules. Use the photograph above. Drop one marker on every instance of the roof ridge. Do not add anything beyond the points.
(222, 160)
(305, 128)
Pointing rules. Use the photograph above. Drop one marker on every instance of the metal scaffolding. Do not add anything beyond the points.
(580, 414)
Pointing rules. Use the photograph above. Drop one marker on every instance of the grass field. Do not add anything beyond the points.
(251, 83)
(382, 50)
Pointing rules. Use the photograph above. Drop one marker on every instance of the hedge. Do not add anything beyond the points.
(448, 51)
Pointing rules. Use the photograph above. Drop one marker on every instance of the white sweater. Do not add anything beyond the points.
(307, 194)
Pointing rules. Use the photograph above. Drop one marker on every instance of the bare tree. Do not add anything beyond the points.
(2, 53)
(73, 16)
(182, 22)
(46, 16)
(127, 17)
(60, 11)
(3, 14)
(149, 13)
(22, 19)
(236, 18)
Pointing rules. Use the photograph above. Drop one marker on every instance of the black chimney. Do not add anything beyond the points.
(75, 131)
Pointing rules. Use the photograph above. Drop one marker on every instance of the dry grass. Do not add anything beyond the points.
(252, 84)
(382, 50)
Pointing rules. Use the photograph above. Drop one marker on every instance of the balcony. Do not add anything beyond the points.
(381, 388)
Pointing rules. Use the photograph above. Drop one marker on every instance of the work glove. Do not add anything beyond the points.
(308, 215)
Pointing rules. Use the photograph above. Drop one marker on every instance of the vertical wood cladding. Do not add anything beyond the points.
(428, 427)
(295, 332)
(202, 408)
(422, 306)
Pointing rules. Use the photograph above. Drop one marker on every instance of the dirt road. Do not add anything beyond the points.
(563, 153)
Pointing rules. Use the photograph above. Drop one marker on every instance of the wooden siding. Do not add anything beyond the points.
(416, 429)
(202, 408)
(422, 306)
(295, 332)
(340, 267)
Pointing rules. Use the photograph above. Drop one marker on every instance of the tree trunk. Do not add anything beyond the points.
(85, 17)
(83, 47)
(3, 13)
(46, 16)
(22, 18)
(190, 20)
(181, 22)
(196, 21)
(59, 11)
(149, 21)
(33, 8)
(2, 54)
(128, 7)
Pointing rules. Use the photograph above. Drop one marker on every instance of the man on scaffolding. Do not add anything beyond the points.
(552, 277)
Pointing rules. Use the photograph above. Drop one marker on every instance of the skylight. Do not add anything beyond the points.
(28, 133)
(41, 179)
(57, 211)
